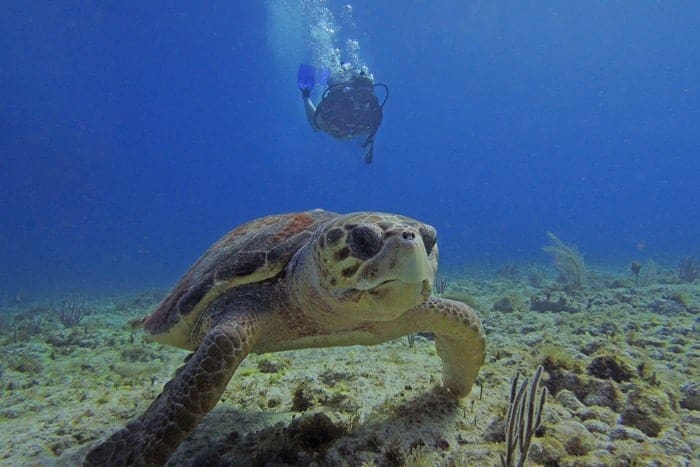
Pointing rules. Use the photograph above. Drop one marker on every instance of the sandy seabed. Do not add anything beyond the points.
(621, 368)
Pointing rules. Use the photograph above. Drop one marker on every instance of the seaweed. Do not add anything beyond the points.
(689, 269)
(536, 276)
(440, 285)
(72, 310)
(524, 417)
(568, 261)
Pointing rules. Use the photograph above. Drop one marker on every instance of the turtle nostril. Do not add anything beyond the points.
(408, 235)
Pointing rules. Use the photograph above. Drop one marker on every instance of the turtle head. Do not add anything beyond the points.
(374, 266)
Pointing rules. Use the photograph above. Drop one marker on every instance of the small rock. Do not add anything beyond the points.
(549, 452)
(302, 399)
(209, 458)
(690, 396)
(266, 365)
(692, 419)
(604, 393)
(602, 457)
(507, 304)
(596, 426)
(666, 307)
(533, 339)
(674, 446)
(578, 441)
(625, 432)
(647, 410)
(556, 303)
(591, 347)
(496, 430)
(569, 400)
(612, 366)
(603, 414)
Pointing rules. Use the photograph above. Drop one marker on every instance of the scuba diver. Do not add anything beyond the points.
(346, 110)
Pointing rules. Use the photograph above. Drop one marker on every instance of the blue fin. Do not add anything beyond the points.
(322, 78)
(305, 77)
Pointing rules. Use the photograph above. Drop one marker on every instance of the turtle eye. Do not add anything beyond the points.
(429, 236)
(365, 242)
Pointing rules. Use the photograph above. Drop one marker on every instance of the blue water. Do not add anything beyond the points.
(134, 134)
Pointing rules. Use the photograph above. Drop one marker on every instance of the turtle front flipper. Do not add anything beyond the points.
(185, 400)
(459, 339)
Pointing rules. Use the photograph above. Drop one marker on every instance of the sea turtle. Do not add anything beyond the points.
(293, 281)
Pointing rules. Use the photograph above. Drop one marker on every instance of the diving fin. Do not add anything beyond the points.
(322, 78)
(306, 77)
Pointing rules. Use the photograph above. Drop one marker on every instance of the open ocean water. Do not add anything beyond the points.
(552, 145)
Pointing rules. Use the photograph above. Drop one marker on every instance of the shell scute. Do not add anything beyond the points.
(193, 296)
(242, 264)
(252, 252)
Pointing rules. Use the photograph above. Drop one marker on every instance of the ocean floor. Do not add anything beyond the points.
(621, 365)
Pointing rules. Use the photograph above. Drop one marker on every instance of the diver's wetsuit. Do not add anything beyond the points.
(348, 110)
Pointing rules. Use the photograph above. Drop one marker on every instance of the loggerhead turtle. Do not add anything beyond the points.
(293, 281)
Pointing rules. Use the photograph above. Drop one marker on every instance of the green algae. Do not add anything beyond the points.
(613, 349)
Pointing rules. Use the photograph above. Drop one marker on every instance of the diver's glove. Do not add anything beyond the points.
(305, 93)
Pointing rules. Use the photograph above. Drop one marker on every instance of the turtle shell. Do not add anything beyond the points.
(252, 252)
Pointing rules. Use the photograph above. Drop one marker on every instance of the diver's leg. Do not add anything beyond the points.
(310, 111)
